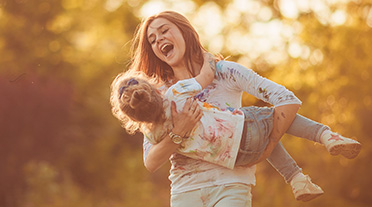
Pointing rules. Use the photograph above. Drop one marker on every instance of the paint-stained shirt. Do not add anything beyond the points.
(225, 92)
(216, 138)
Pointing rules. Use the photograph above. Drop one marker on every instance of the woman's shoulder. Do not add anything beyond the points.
(232, 69)
(227, 65)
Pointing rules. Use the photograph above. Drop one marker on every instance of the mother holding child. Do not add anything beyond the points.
(213, 143)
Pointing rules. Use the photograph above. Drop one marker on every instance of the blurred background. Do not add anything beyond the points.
(60, 146)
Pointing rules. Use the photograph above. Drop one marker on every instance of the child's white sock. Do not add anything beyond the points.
(325, 136)
(299, 175)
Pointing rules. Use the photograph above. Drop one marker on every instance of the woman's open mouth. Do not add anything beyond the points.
(166, 48)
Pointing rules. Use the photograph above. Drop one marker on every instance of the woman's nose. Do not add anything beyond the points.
(160, 38)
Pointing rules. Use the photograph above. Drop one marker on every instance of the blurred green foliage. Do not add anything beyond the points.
(60, 145)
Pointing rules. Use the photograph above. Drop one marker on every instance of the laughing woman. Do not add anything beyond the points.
(167, 47)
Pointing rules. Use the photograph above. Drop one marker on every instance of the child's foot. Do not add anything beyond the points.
(304, 190)
(337, 144)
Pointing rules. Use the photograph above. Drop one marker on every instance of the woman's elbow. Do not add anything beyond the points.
(150, 167)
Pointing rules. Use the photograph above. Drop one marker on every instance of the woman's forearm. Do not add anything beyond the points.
(283, 118)
(159, 154)
(183, 123)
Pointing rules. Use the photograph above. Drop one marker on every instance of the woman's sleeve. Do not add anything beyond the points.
(244, 79)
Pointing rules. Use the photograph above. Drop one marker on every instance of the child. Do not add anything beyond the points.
(230, 137)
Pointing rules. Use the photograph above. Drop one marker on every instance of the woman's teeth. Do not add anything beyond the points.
(166, 49)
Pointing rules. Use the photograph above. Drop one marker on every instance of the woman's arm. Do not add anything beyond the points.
(283, 118)
(285, 102)
(183, 123)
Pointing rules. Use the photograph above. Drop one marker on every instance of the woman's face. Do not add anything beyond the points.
(166, 42)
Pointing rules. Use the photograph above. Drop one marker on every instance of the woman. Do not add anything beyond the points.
(168, 47)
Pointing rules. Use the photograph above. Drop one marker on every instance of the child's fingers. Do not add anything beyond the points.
(187, 105)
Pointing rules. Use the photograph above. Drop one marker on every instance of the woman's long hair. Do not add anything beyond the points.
(144, 59)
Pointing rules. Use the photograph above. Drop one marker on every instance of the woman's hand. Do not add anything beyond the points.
(183, 123)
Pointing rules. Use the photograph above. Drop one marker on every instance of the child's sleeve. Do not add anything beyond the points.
(182, 90)
(243, 79)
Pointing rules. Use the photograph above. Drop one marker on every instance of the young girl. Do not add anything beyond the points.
(227, 137)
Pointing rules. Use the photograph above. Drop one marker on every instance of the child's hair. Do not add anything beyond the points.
(135, 101)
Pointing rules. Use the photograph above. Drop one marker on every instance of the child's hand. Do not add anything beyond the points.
(209, 64)
(207, 71)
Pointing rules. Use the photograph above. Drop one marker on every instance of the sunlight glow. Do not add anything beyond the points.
(316, 57)
(60, 24)
(338, 18)
(369, 17)
(232, 17)
(151, 8)
(209, 19)
(83, 40)
(216, 44)
(248, 7)
(294, 49)
(182, 6)
(133, 3)
(288, 8)
(112, 5)
(292, 8)
(209, 24)
(265, 14)
(246, 27)
(297, 50)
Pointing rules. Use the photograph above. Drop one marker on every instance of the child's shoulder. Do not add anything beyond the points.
(184, 87)
(186, 83)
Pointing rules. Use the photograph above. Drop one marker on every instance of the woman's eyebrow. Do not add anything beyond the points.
(158, 28)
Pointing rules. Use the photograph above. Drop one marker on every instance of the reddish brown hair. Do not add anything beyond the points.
(144, 59)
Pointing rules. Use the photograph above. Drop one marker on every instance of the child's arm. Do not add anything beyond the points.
(207, 71)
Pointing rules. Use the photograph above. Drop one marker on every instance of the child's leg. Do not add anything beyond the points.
(284, 163)
(307, 128)
(317, 132)
(302, 187)
(258, 126)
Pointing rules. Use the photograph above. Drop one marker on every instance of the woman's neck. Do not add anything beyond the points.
(181, 72)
